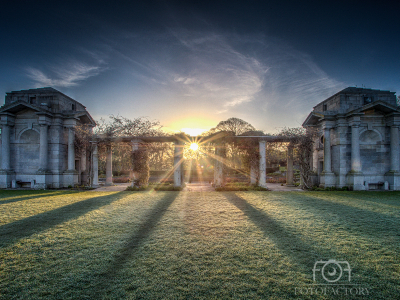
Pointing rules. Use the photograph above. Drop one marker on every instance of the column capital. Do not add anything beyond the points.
(393, 120)
(341, 121)
(7, 119)
(354, 123)
(327, 124)
(71, 122)
(135, 144)
(44, 117)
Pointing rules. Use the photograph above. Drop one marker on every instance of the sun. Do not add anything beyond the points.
(194, 146)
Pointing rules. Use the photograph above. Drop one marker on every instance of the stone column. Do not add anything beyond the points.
(84, 173)
(327, 150)
(393, 176)
(135, 147)
(327, 179)
(95, 166)
(355, 177)
(263, 164)
(219, 180)
(289, 171)
(253, 174)
(5, 148)
(315, 157)
(44, 146)
(355, 148)
(6, 173)
(109, 166)
(394, 149)
(178, 160)
(71, 149)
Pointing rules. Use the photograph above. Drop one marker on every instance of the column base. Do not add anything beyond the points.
(43, 180)
(355, 180)
(84, 177)
(327, 179)
(6, 177)
(43, 172)
(70, 178)
(393, 178)
(314, 180)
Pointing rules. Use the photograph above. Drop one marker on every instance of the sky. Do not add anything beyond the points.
(191, 64)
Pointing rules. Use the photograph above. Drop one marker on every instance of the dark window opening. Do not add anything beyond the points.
(368, 100)
(73, 106)
(32, 100)
(325, 107)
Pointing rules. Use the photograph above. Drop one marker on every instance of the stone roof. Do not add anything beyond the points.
(357, 90)
(18, 105)
(43, 90)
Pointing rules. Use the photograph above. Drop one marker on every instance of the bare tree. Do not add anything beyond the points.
(235, 125)
(108, 131)
(303, 140)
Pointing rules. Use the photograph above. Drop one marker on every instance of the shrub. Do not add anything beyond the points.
(155, 187)
(276, 180)
(167, 188)
(238, 188)
(136, 188)
(332, 188)
(124, 179)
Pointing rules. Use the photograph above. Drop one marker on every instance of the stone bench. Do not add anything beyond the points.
(378, 185)
(20, 183)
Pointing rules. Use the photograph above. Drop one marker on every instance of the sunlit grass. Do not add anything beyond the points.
(70, 245)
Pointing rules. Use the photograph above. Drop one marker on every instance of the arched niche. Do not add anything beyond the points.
(28, 146)
(374, 157)
(370, 137)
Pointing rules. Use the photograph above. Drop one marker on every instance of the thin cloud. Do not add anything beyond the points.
(70, 73)
(214, 71)
(226, 74)
(228, 71)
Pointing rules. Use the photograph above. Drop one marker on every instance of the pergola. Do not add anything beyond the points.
(218, 139)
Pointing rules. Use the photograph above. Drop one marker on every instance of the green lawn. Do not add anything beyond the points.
(189, 245)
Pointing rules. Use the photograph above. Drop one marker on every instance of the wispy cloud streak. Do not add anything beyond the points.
(229, 72)
(65, 74)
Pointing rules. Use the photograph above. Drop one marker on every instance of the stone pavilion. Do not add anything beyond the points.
(37, 140)
(358, 140)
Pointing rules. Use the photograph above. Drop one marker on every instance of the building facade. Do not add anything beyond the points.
(38, 140)
(358, 140)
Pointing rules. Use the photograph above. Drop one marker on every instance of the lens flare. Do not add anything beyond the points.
(194, 146)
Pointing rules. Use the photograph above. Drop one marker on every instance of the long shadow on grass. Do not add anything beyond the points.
(301, 253)
(390, 199)
(144, 230)
(32, 195)
(357, 220)
(12, 232)
(133, 243)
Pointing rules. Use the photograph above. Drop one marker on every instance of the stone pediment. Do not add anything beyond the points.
(312, 119)
(85, 118)
(376, 107)
(19, 106)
